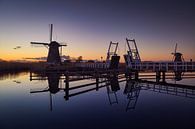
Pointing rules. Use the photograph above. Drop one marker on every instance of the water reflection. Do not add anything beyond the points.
(11, 75)
(131, 91)
(16, 81)
(112, 87)
(169, 89)
(53, 82)
(69, 101)
(53, 85)
(178, 75)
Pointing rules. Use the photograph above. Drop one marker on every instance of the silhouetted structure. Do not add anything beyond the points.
(177, 58)
(53, 86)
(132, 52)
(111, 82)
(135, 65)
(112, 87)
(53, 54)
(132, 90)
(112, 58)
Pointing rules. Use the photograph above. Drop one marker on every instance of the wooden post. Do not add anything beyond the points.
(67, 87)
(30, 76)
(158, 76)
(130, 75)
(97, 82)
(136, 75)
(163, 77)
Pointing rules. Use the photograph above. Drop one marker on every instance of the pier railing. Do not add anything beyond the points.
(163, 66)
(96, 65)
(168, 66)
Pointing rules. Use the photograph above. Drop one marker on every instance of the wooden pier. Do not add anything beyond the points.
(112, 84)
(131, 69)
(163, 66)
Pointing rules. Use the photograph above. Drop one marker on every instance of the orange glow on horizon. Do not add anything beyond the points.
(87, 56)
(88, 52)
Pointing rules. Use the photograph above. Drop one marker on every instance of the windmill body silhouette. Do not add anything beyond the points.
(53, 54)
(177, 56)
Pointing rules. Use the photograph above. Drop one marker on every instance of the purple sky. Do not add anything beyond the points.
(89, 25)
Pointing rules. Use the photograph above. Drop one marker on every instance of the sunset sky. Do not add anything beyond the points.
(89, 25)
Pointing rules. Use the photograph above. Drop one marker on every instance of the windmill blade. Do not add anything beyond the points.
(39, 43)
(39, 90)
(63, 44)
(183, 58)
(173, 58)
(175, 47)
(61, 52)
(51, 32)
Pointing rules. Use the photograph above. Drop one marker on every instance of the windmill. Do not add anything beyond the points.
(177, 56)
(53, 54)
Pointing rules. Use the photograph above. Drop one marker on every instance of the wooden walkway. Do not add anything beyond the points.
(164, 66)
(168, 66)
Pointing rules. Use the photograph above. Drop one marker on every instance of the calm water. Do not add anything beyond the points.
(26, 104)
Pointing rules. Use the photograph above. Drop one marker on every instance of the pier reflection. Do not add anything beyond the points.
(132, 89)
(112, 88)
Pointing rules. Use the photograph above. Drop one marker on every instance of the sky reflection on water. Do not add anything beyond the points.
(22, 109)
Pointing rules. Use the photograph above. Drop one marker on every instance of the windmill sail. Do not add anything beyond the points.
(51, 32)
(175, 47)
(39, 43)
(53, 54)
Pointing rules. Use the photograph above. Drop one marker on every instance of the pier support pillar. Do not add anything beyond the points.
(67, 87)
(30, 76)
(130, 75)
(136, 75)
(158, 76)
(163, 76)
(97, 83)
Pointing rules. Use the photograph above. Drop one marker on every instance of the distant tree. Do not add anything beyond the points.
(67, 57)
(79, 59)
(101, 58)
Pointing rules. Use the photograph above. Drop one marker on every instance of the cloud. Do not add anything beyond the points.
(64, 57)
(36, 58)
(1, 60)
(17, 47)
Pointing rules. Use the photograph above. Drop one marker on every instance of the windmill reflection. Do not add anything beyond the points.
(53, 86)
(132, 90)
(178, 75)
(53, 82)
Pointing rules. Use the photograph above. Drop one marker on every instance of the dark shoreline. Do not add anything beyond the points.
(12, 67)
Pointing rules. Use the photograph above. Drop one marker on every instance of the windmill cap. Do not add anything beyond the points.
(178, 53)
(54, 43)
